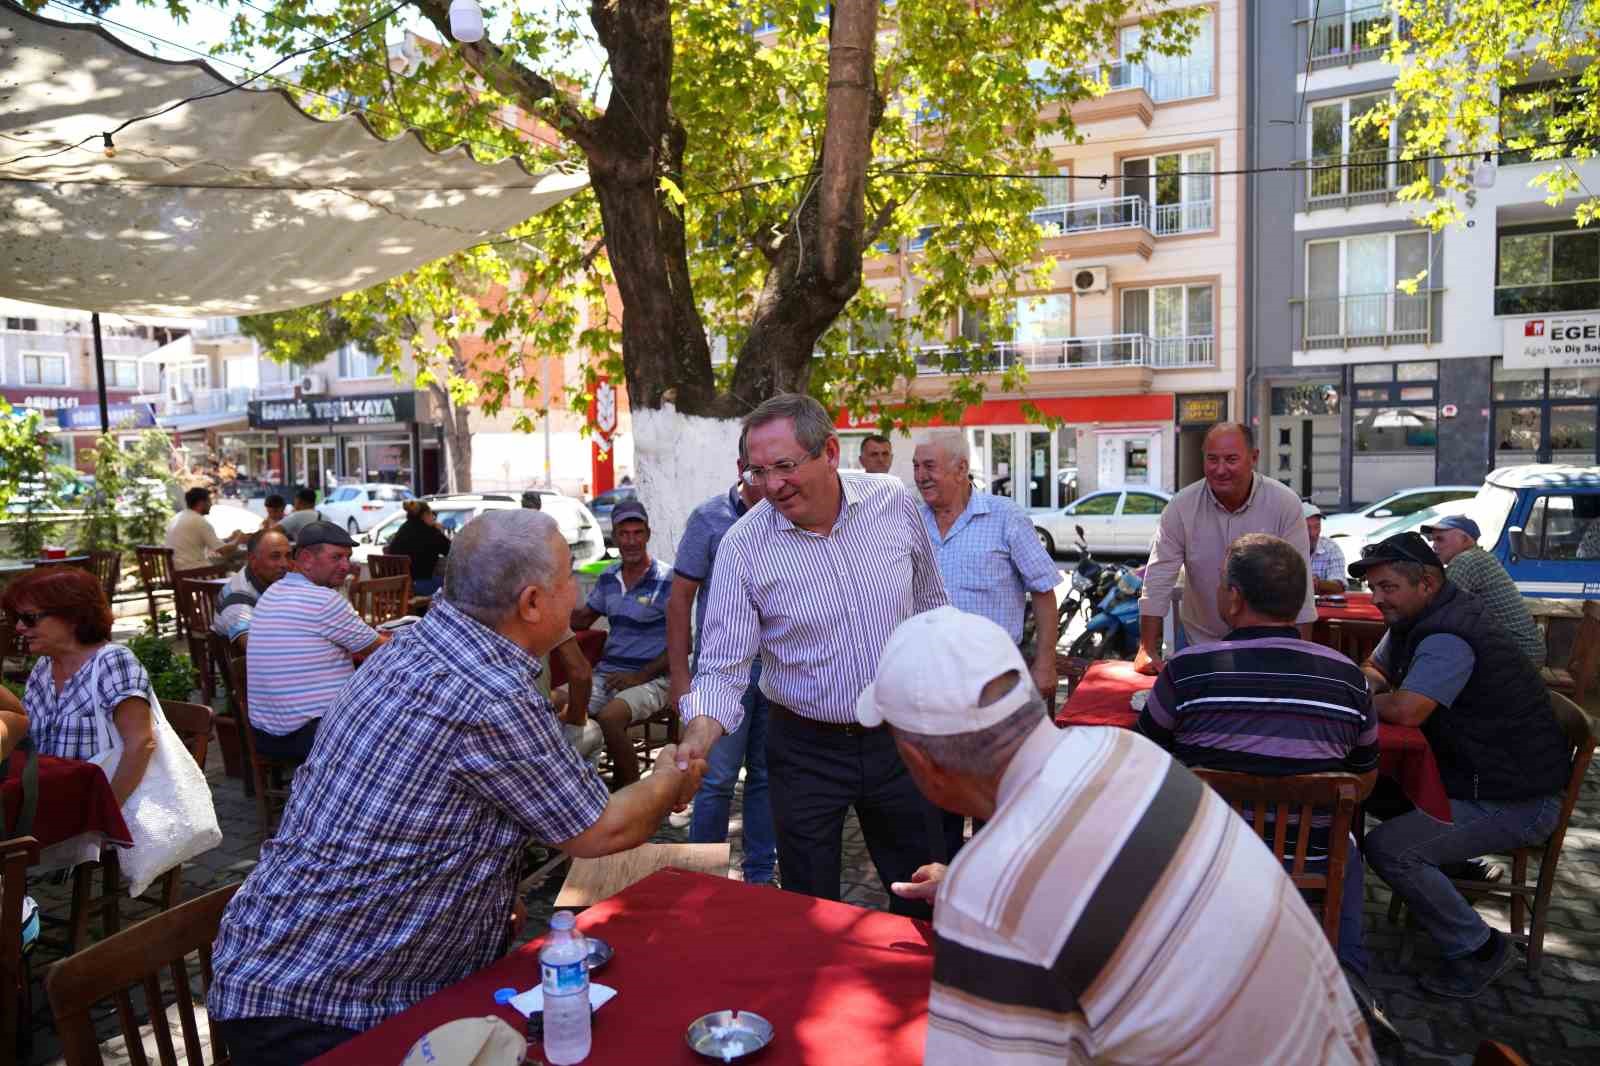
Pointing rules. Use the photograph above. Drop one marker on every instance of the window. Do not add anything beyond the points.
(1563, 527)
(1175, 77)
(44, 368)
(1143, 503)
(1057, 194)
(355, 363)
(1101, 503)
(1352, 288)
(1539, 273)
(23, 325)
(1176, 318)
(1543, 416)
(122, 373)
(1176, 188)
(1350, 157)
(1042, 318)
(1348, 35)
(1538, 115)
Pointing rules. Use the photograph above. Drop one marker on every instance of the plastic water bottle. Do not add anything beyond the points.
(564, 968)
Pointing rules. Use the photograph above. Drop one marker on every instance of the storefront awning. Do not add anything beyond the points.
(208, 420)
(236, 204)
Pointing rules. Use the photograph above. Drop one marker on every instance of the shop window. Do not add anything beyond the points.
(1136, 462)
(1517, 383)
(1306, 401)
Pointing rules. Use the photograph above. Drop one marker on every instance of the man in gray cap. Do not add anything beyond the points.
(1105, 866)
(1327, 558)
(304, 639)
(1471, 569)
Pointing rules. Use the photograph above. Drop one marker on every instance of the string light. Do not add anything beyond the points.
(1484, 173)
(466, 21)
(110, 148)
(1103, 181)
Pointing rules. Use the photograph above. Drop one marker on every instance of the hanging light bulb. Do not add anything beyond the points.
(1103, 180)
(466, 21)
(1483, 174)
(110, 149)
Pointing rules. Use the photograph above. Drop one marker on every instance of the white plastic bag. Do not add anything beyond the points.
(170, 815)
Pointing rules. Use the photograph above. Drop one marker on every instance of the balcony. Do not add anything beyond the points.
(1550, 298)
(1162, 86)
(1346, 38)
(1071, 353)
(184, 401)
(1372, 176)
(1093, 216)
(1188, 217)
(1370, 320)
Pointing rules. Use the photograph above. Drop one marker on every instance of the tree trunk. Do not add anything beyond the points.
(455, 419)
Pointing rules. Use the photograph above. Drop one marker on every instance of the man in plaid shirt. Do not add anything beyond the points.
(393, 874)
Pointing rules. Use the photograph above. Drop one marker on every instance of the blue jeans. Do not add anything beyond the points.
(1408, 850)
(1352, 940)
(746, 747)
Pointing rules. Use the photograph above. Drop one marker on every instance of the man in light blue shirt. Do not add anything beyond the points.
(989, 556)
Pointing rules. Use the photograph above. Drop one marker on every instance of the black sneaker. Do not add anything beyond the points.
(1465, 977)
(1474, 870)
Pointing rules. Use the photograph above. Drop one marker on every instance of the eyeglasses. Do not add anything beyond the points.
(784, 468)
(31, 618)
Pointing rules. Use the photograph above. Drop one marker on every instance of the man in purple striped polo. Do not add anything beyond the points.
(1262, 701)
(813, 579)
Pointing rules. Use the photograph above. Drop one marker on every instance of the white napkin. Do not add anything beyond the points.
(1138, 699)
(532, 1001)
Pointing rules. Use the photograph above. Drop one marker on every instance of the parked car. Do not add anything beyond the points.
(1354, 546)
(578, 524)
(1115, 521)
(360, 507)
(1543, 523)
(1352, 528)
(602, 504)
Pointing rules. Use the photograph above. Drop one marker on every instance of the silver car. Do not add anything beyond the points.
(1115, 522)
(578, 525)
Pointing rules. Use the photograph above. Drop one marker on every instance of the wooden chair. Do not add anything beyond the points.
(108, 568)
(222, 652)
(265, 772)
(196, 601)
(13, 657)
(1494, 1053)
(136, 958)
(16, 855)
(1575, 679)
(380, 566)
(1298, 796)
(156, 575)
(382, 599)
(1581, 731)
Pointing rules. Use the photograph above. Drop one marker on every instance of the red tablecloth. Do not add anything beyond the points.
(1356, 608)
(1102, 698)
(74, 798)
(839, 983)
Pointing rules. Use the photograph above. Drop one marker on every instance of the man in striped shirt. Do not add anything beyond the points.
(1114, 909)
(813, 579)
(302, 638)
(1262, 701)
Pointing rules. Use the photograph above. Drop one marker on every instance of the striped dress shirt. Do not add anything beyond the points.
(1115, 910)
(817, 609)
(301, 638)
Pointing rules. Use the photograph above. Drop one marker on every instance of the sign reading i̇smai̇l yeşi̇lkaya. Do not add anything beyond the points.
(334, 410)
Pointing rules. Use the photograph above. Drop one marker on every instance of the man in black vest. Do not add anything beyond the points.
(1447, 666)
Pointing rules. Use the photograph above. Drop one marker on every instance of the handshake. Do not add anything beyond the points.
(688, 771)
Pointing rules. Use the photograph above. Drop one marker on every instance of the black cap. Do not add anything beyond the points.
(323, 533)
(1400, 548)
(629, 511)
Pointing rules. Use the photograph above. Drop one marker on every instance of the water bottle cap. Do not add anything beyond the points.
(504, 995)
(562, 920)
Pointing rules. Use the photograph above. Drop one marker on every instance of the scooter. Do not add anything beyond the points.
(1091, 579)
(1112, 631)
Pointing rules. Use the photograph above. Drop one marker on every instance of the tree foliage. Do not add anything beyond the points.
(1458, 59)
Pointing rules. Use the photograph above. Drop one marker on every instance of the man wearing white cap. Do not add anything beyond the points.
(1327, 558)
(1108, 877)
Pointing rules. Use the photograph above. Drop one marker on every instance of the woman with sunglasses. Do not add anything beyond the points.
(82, 686)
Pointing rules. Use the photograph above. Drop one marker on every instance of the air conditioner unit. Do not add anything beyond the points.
(1090, 279)
(178, 392)
(312, 384)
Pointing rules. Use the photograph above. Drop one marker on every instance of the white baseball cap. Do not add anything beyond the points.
(933, 671)
(1310, 510)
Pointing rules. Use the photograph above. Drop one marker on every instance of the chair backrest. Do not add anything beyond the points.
(136, 957)
(1494, 1053)
(192, 723)
(1581, 730)
(381, 599)
(389, 565)
(222, 652)
(1274, 802)
(155, 566)
(16, 855)
(1585, 662)
(108, 568)
(196, 600)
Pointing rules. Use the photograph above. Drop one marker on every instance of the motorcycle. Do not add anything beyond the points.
(1112, 629)
(1092, 579)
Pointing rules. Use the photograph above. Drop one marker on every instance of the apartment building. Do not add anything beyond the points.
(1136, 342)
(47, 365)
(1356, 387)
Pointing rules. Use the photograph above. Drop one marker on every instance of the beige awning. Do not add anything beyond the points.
(237, 204)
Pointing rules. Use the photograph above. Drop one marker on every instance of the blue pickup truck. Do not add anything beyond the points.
(1543, 523)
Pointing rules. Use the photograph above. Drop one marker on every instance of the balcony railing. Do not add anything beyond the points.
(1346, 37)
(1070, 353)
(1374, 174)
(201, 401)
(1161, 86)
(1549, 298)
(1089, 216)
(1187, 217)
(1369, 319)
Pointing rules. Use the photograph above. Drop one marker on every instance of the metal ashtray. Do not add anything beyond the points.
(726, 1035)
(600, 953)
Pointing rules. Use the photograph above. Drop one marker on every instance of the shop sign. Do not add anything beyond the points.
(49, 403)
(1203, 409)
(86, 417)
(1553, 341)
(334, 410)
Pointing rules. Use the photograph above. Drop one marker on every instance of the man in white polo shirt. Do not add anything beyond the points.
(302, 640)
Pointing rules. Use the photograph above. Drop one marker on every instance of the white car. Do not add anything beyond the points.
(1353, 529)
(1115, 522)
(578, 525)
(360, 507)
(1354, 546)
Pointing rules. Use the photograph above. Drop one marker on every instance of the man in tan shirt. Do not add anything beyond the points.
(1196, 529)
(192, 540)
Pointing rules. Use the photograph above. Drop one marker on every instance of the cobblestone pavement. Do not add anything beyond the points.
(1552, 1023)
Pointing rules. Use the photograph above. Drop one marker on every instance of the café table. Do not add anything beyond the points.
(1104, 698)
(77, 809)
(1350, 624)
(839, 983)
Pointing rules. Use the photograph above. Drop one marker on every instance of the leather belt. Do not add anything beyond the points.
(849, 729)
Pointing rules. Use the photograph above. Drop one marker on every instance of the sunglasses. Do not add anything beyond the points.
(31, 618)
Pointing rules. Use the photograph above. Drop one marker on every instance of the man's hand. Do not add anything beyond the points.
(519, 916)
(1146, 663)
(1045, 679)
(699, 733)
(669, 760)
(924, 884)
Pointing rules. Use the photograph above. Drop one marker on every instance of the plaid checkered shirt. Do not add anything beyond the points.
(393, 873)
(63, 723)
